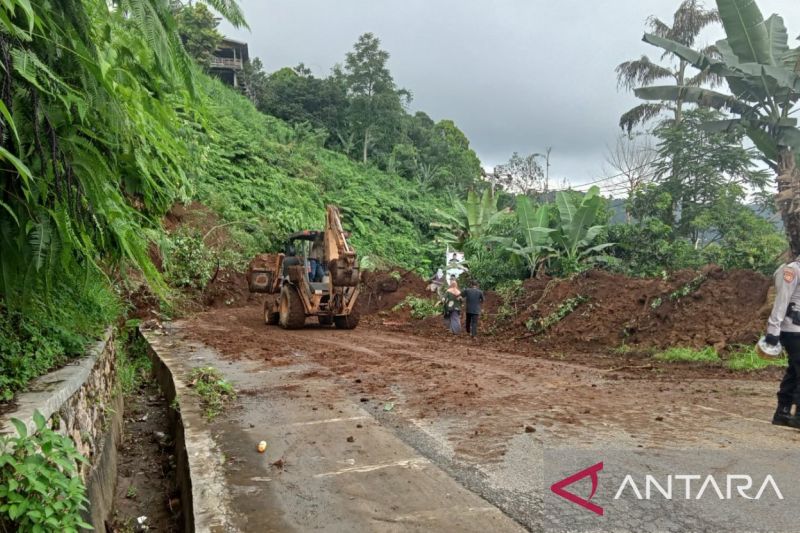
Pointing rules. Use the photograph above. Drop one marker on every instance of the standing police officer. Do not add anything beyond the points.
(784, 326)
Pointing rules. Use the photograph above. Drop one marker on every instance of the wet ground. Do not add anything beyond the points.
(146, 496)
(333, 406)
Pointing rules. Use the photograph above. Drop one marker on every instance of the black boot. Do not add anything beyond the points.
(783, 416)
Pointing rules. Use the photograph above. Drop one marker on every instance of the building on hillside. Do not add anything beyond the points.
(229, 60)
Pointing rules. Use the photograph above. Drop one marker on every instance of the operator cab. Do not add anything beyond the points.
(298, 251)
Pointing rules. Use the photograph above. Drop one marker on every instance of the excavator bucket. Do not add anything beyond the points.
(264, 273)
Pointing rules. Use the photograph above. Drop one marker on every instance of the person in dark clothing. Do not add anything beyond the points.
(473, 297)
(452, 308)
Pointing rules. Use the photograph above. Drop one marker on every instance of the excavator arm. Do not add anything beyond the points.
(339, 255)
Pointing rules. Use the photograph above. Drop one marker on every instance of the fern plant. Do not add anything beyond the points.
(91, 144)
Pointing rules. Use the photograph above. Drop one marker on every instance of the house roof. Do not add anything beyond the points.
(238, 45)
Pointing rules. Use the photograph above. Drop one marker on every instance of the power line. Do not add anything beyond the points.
(601, 180)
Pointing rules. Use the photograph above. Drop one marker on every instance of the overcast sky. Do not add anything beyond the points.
(515, 75)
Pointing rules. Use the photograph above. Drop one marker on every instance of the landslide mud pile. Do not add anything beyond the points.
(708, 308)
(599, 310)
(381, 291)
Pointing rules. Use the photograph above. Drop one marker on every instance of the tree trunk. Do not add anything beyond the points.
(788, 198)
(366, 144)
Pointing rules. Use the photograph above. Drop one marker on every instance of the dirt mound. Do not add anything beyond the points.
(381, 290)
(724, 310)
(199, 218)
(706, 308)
(144, 304)
(611, 303)
(602, 310)
(228, 288)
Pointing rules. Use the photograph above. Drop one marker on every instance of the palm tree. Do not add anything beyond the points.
(689, 20)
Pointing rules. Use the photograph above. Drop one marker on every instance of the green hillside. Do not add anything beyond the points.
(277, 179)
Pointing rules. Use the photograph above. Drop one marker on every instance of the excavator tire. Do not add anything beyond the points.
(291, 314)
(271, 318)
(347, 321)
(325, 320)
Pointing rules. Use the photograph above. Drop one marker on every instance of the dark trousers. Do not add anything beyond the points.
(472, 323)
(789, 391)
(316, 271)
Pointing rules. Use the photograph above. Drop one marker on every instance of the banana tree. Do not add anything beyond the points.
(576, 233)
(473, 220)
(763, 74)
(533, 224)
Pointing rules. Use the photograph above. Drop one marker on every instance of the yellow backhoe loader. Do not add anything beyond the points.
(299, 289)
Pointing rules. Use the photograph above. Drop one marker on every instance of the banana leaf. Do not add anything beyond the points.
(746, 30)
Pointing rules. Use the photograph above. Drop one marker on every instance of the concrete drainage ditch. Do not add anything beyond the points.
(204, 500)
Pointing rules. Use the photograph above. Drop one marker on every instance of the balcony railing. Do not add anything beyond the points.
(226, 62)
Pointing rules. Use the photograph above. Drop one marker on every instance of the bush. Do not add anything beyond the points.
(187, 261)
(491, 265)
(649, 248)
(133, 365)
(49, 331)
(40, 485)
(420, 307)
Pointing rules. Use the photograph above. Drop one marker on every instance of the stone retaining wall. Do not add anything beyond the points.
(84, 401)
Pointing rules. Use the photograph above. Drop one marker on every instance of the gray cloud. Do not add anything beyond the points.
(515, 75)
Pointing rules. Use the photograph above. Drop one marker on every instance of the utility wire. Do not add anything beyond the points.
(608, 178)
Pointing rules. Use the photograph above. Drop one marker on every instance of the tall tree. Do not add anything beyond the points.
(376, 105)
(254, 79)
(435, 154)
(762, 72)
(522, 174)
(197, 26)
(700, 170)
(296, 95)
(688, 21)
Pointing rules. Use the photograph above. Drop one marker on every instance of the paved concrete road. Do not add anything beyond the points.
(481, 430)
(329, 465)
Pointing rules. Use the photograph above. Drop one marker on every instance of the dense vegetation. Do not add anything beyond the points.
(362, 113)
(277, 178)
(107, 120)
(107, 123)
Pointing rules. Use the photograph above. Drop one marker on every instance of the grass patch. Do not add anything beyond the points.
(622, 349)
(706, 355)
(214, 391)
(420, 307)
(745, 359)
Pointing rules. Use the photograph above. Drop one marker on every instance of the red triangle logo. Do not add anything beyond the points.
(558, 488)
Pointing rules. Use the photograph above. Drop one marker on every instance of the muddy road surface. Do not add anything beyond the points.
(488, 415)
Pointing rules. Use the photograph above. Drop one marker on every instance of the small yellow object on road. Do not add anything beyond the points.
(261, 446)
